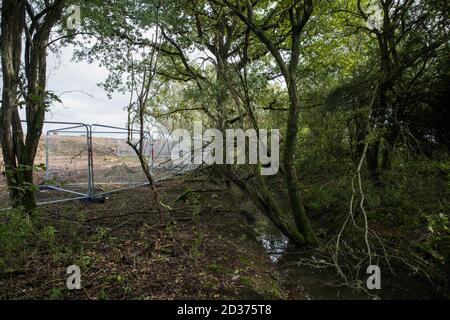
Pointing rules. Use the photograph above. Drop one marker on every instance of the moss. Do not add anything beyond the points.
(269, 289)
(246, 281)
(275, 291)
(246, 261)
(217, 268)
(209, 285)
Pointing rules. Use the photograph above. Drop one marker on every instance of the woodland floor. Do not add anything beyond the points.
(125, 251)
(203, 248)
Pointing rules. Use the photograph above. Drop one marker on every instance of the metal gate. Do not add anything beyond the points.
(79, 161)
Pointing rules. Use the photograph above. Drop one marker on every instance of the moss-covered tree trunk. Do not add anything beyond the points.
(299, 15)
(298, 210)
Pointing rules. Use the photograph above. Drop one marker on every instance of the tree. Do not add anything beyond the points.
(215, 29)
(407, 36)
(12, 28)
(138, 110)
(298, 15)
(34, 22)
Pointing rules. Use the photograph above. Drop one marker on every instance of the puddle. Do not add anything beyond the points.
(275, 247)
(300, 281)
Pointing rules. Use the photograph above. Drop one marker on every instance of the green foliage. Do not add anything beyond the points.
(195, 249)
(192, 198)
(15, 228)
(55, 294)
(437, 242)
(342, 62)
(101, 233)
(47, 234)
(85, 262)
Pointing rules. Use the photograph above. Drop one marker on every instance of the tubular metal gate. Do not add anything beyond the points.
(78, 161)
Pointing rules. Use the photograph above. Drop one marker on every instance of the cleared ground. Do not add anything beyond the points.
(115, 166)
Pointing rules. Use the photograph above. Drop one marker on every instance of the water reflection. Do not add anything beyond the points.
(275, 246)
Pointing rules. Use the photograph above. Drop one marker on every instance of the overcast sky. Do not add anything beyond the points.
(83, 100)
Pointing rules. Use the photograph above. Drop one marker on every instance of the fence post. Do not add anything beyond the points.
(91, 191)
(46, 158)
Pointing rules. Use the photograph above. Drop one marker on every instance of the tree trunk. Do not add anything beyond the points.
(298, 210)
(261, 197)
(19, 151)
(146, 168)
(390, 143)
(12, 27)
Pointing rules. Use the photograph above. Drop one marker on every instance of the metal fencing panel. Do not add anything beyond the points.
(82, 161)
(116, 165)
(66, 160)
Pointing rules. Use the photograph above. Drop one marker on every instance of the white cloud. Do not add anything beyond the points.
(83, 100)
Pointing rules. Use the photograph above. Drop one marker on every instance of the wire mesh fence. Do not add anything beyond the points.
(66, 159)
(116, 164)
(81, 161)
